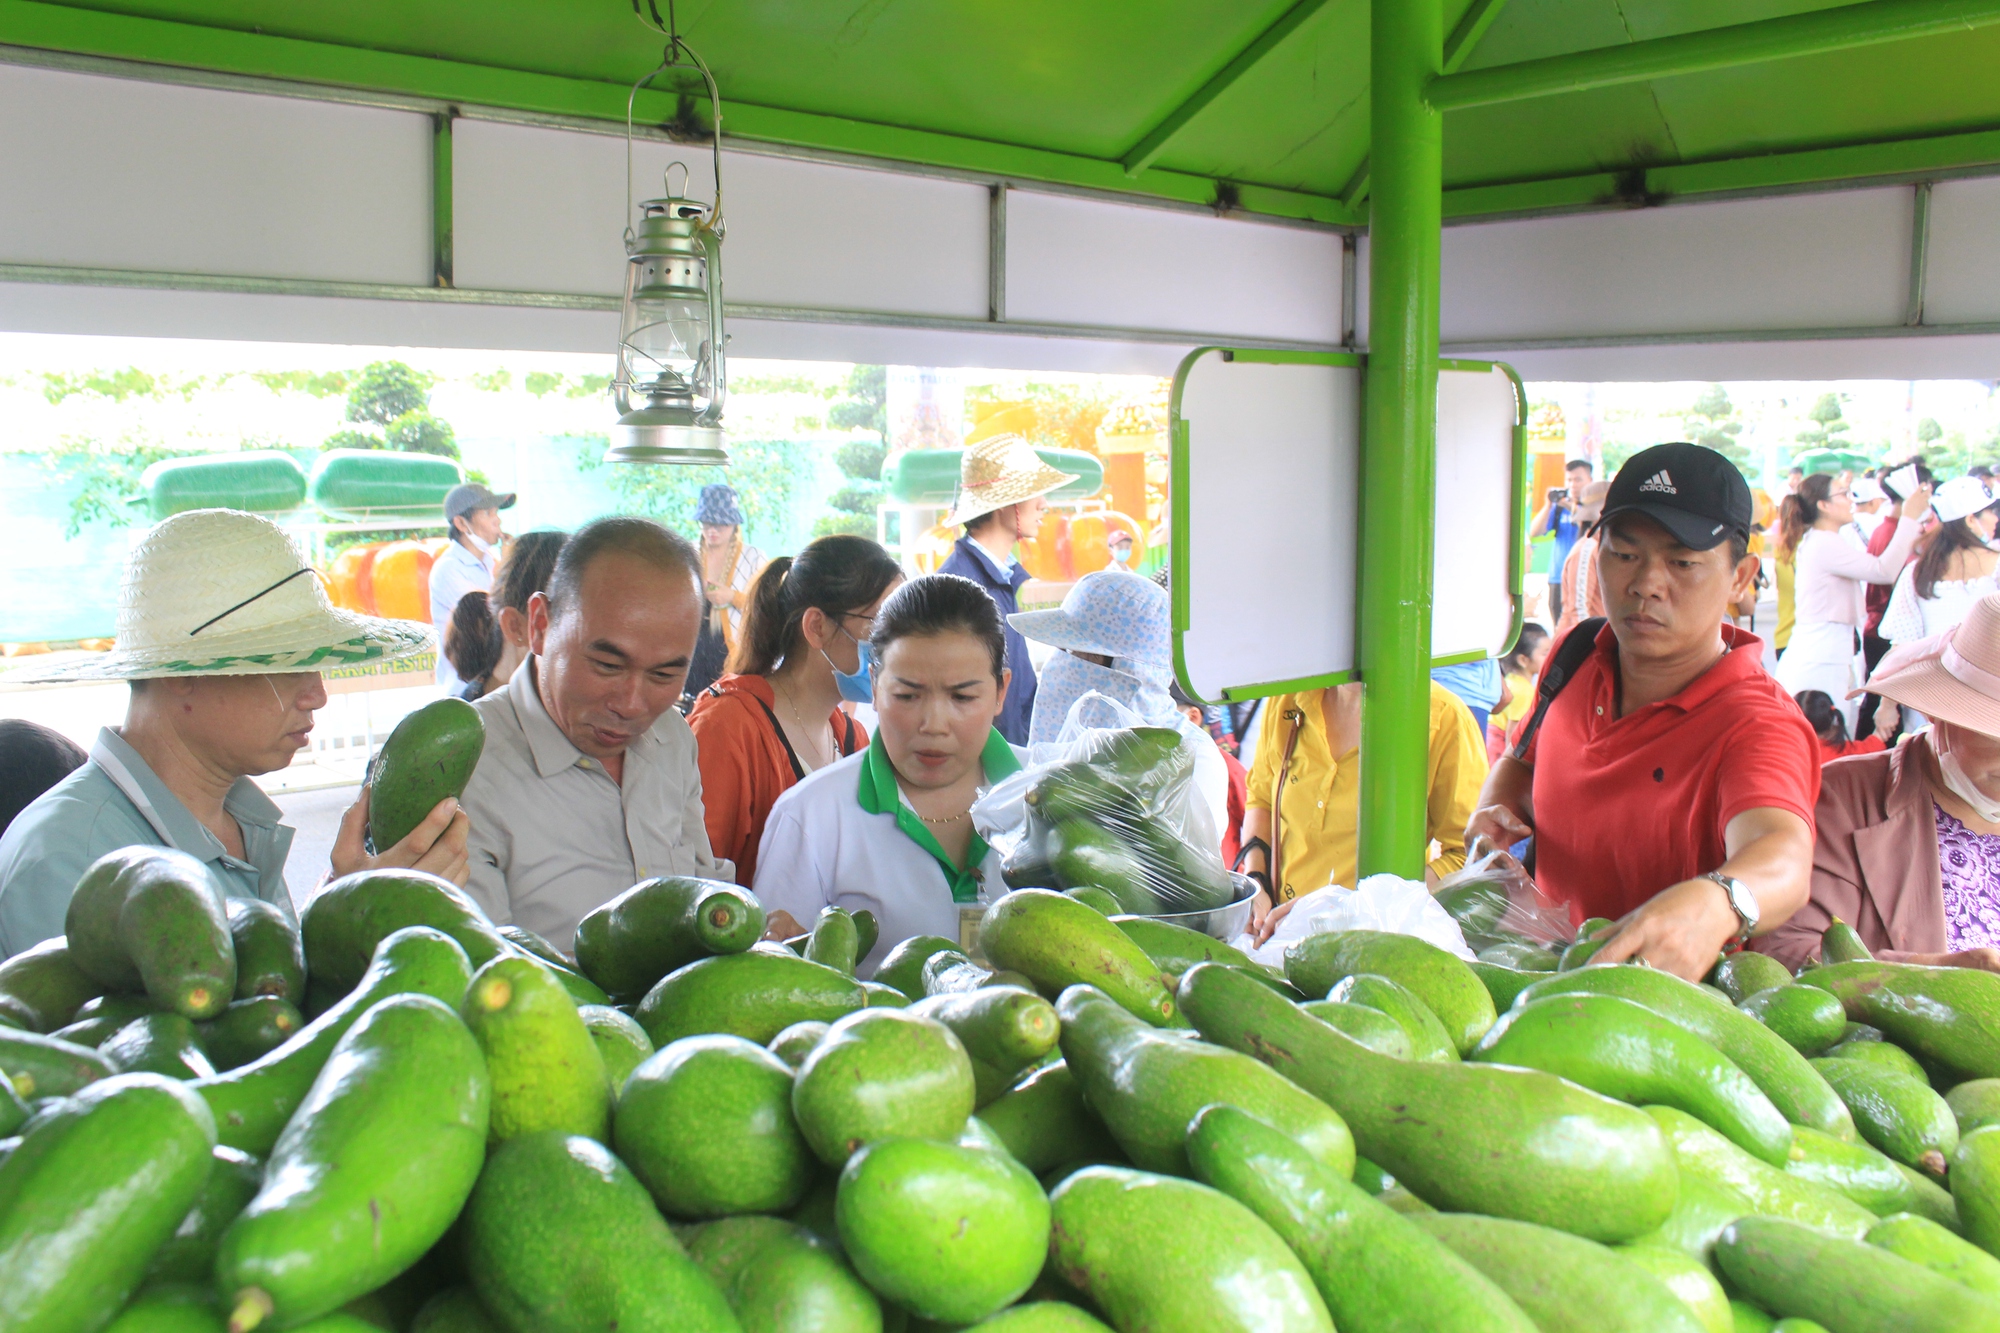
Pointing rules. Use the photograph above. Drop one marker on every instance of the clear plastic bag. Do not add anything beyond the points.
(1380, 902)
(1499, 909)
(1114, 805)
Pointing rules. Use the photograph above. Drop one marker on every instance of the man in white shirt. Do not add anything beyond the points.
(588, 782)
(468, 564)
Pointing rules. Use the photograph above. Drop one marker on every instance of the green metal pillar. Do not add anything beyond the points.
(1399, 451)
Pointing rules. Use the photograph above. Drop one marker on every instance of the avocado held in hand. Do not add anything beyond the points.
(429, 756)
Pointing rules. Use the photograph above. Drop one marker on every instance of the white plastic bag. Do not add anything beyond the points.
(1381, 902)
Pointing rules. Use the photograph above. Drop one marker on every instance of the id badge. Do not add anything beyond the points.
(969, 917)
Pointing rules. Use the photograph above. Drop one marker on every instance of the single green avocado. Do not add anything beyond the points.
(1042, 1122)
(1173, 1256)
(1935, 1247)
(1841, 943)
(1446, 985)
(795, 1043)
(1887, 1054)
(1741, 975)
(1899, 1114)
(1975, 1103)
(1375, 1268)
(41, 1066)
(1797, 1272)
(1975, 1186)
(881, 1073)
(1793, 1085)
(780, 1278)
(96, 1186)
(428, 758)
(1371, 1027)
(270, 955)
(621, 1043)
(189, 1254)
(1625, 1050)
(1428, 1038)
(1688, 1278)
(544, 1068)
(755, 994)
(706, 1124)
(1949, 1016)
(158, 1044)
(1808, 1018)
(348, 920)
(1003, 1030)
(949, 1233)
(1147, 1085)
(152, 919)
(249, 1030)
(1566, 1284)
(1609, 1175)
(1057, 942)
(660, 925)
(559, 1237)
(46, 986)
(1701, 1152)
(903, 967)
(373, 1167)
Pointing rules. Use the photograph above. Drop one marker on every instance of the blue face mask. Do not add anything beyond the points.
(858, 688)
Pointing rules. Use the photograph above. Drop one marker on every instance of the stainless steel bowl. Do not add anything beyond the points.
(1222, 923)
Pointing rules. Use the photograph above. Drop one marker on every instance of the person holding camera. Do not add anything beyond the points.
(1558, 518)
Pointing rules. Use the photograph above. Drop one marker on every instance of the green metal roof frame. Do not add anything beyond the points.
(1250, 106)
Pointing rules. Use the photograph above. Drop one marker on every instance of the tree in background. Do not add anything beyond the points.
(1711, 422)
(395, 398)
(866, 407)
(770, 477)
(1829, 428)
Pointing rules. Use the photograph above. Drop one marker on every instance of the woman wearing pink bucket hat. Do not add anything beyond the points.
(1907, 845)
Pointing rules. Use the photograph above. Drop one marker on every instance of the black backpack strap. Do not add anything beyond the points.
(1581, 642)
(798, 769)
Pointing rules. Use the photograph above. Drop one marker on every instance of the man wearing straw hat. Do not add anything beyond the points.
(1001, 482)
(223, 631)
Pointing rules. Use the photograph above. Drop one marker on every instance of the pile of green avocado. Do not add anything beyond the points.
(402, 1117)
(1107, 823)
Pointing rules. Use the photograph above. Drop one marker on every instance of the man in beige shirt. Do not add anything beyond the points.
(588, 781)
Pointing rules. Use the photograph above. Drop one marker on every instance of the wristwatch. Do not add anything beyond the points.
(1741, 901)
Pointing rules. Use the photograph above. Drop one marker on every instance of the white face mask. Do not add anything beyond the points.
(480, 545)
(1957, 781)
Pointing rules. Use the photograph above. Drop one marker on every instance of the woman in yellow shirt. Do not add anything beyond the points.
(1311, 747)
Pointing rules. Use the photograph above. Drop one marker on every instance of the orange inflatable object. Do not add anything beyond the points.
(1089, 540)
(402, 580)
(350, 583)
(933, 548)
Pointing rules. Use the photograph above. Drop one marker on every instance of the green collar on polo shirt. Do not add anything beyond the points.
(879, 795)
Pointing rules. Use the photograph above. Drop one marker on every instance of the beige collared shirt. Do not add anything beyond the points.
(554, 837)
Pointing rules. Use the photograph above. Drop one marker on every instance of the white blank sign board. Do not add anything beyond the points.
(1272, 453)
(1266, 534)
(1477, 566)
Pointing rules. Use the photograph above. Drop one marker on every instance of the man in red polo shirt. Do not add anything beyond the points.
(1679, 792)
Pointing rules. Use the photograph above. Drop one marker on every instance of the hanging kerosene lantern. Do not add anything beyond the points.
(670, 381)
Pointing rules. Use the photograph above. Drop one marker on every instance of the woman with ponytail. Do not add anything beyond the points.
(1825, 649)
(776, 716)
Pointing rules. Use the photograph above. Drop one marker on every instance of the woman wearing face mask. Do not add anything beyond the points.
(1907, 842)
(488, 634)
(776, 717)
(890, 829)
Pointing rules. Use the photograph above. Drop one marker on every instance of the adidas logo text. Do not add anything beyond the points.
(1659, 481)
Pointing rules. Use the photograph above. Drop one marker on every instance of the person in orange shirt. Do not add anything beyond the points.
(777, 716)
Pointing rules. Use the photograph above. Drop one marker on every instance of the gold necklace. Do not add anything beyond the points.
(951, 819)
(804, 730)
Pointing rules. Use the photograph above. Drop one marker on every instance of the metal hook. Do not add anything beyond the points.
(675, 49)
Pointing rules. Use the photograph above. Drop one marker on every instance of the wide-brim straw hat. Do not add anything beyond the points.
(1953, 677)
(1000, 471)
(217, 592)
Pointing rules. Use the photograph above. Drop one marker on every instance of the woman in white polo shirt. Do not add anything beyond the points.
(889, 829)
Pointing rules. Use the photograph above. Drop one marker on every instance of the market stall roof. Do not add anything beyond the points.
(1261, 106)
(905, 177)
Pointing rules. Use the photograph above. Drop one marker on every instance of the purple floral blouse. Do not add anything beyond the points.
(1970, 863)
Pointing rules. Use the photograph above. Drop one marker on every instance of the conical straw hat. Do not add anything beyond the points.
(217, 592)
(999, 471)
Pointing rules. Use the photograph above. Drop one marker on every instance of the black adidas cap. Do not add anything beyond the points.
(1692, 492)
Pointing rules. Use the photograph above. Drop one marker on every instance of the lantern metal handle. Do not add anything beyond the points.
(676, 48)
